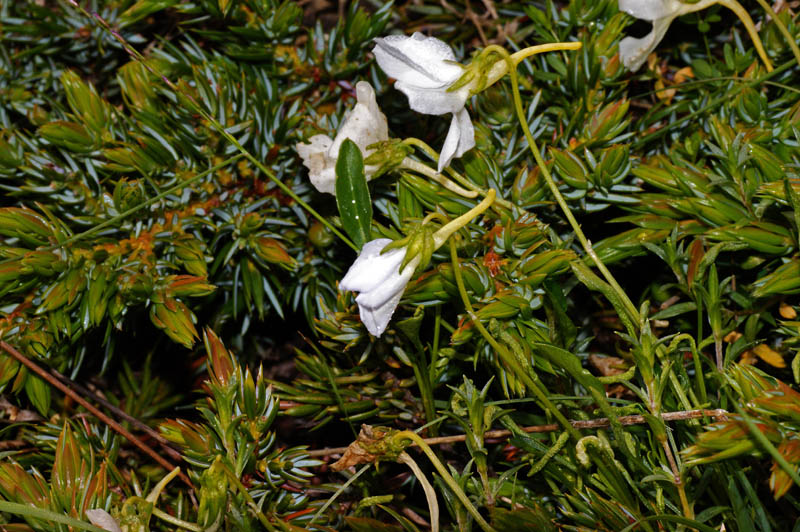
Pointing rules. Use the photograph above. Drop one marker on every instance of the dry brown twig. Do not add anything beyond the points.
(636, 419)
(54, 382)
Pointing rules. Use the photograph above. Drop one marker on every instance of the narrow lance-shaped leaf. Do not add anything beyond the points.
(352, 194)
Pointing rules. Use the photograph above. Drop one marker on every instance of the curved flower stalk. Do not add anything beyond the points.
(633, 52)
(380, 275)
(426, 72)
(365, 125)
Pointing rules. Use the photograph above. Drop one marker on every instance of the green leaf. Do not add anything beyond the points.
(352, 194)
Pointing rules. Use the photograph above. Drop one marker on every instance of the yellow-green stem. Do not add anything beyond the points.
(744, 16)
(440, 236)
(587, 246)
(464, 182)
(782, 28)
(430, 493)
(219, 127)
(448, 479)
(174, 521)
(433, 175)
(503, 353)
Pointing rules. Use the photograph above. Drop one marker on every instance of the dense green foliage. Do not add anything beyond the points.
(162, 246)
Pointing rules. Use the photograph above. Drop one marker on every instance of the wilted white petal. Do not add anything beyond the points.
(417, 60)
(371, 267)
(102, 519)
(364, 125)
(633, 52)
(650, 9)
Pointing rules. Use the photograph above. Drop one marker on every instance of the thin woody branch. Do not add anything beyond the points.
(635, 419)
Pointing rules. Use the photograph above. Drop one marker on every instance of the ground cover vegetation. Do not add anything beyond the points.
(448, 265)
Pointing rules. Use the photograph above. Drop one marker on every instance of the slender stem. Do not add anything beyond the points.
(158, 488)
(501, 68)
(52, 381)
(448, 479)
(164, 516)
(726, 97)
(508, 359)
(744, 16)
(214, 122)
(463, 181)
(119, 413)
(430, 493)
(635, 419)
(587, 246)
(767, 445)
(427, 171)
(790, 40)
(440, 236)
(31, 511)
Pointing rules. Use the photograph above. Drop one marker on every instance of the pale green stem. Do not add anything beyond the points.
(158, 488)
(34, 512)
(164, 516)
(427, 171)
(587, 246)
(448, 479)
(503, 353)
(219, 127)
(744, 16)
(440, 236)
(464, 182)
(430, 493)
(782, 28)
(501, 68)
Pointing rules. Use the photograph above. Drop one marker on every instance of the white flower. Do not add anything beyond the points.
(661, 13)
(380, 282)
(425, 68)
(102, 519)
(364, 125)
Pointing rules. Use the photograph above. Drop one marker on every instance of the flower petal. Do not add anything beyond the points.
(434, 101)
(103, 519)
(417, 60)
(364, 125)
(321, 169)
(376, 320)
(633, 52)
(390, 286)
(460, 138)
(372, 268)
(650, 9)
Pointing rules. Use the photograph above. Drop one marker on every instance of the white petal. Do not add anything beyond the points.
(633, 52)
(460, 138)
(102, 519)
(417, 60)
(364, 125)
(321, 168)
(436, 101)
(376, 320)
(393, 284)
(371, 268)
(650, 9)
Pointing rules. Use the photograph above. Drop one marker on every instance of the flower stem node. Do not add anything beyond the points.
(386, 156)
(365, 125)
